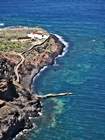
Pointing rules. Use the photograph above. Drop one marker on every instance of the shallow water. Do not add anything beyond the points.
(81, 71)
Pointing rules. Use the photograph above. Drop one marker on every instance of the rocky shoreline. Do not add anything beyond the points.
(19, 64)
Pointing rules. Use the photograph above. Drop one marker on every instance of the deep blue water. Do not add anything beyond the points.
(81, 71)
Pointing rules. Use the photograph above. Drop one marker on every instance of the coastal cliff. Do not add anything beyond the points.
(23, 53)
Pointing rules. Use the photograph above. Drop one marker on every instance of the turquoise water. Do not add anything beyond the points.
(81, 71)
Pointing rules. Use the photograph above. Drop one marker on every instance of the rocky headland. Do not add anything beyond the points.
(23, 53)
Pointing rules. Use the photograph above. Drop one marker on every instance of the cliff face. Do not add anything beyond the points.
(15, 116)
(39, 57)
(18, 66)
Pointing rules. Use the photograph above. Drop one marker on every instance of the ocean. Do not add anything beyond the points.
(81, 23)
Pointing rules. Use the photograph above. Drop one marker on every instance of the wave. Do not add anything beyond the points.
(2, 24)
(45, 67)
(66, 44)
(65, 49)
(24, 132)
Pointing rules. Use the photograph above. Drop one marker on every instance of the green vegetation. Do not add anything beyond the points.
(11, 46)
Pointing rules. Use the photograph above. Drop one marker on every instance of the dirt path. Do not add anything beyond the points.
(33, 46)
(16, 68)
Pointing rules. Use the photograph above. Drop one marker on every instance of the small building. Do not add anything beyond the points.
(36, 35)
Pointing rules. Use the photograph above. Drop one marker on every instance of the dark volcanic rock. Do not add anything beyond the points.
(10, 92)
(15, 116)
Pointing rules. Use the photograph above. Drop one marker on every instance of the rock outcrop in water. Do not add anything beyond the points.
(21, 59)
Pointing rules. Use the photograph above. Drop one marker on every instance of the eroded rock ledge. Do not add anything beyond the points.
(21, 59)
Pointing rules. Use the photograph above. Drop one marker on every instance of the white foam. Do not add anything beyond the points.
(40, 113)
(66, 44)
(24, 132)
(93, 40)
(2, 24)
(45, 67)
